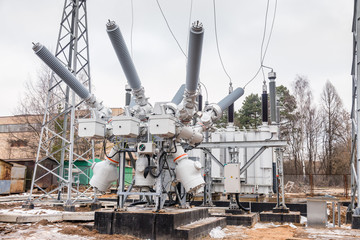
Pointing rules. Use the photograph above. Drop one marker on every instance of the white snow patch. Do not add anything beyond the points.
(332, 233)
(265, 225)
(40, 232)
(303, 220)
(292, 225)
(217, 233)
(29, 212)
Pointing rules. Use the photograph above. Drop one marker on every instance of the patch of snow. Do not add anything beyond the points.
(303, 220)
(28, 212)
(40, 232)
(326, 233)
(292, 225)
(264, 225)
(217, 233)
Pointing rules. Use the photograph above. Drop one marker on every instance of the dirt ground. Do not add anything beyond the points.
(84, 231)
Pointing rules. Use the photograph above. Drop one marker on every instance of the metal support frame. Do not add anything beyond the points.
(207, 201)
(58, 138)
(355, 110)
(262, 145)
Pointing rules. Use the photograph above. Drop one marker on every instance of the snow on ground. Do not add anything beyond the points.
(217, 233)
(35, 232)
(23, 211)
(333, 233)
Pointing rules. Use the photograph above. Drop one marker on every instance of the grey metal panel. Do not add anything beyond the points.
(231, 98)
(123, 55)
(316, 213)
(5, 186)
(61, 71)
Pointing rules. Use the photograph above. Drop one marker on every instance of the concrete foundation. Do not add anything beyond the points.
(70, 208)
(355, 224)
(247, 220)
(28, 206)
(95, 206)
(293, 217)
(171, 224)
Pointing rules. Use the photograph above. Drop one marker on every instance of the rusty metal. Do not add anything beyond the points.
(311, 180)
(345, 185)
(18, 174)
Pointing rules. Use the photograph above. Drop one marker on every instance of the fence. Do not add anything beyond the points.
(312, 184)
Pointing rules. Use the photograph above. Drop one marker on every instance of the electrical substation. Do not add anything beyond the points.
(189, 174)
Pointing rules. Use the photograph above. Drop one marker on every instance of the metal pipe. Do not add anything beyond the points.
(194, 56)
(231, 98)
(54, 64)
(123, 55)
(179, 95)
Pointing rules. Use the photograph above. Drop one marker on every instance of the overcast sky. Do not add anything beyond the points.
(310, 38)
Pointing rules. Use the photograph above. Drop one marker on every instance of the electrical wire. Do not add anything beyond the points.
(167, 23)
(263, 54)
(271, 30)
(217, 43)
(207, 96)
(264, 33)
(263, 39)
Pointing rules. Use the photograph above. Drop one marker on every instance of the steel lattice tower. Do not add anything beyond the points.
(58, 140)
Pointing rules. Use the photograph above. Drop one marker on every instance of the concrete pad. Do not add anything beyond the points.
(292, 217)
(79, 216)
(8, 218)
(247, 220)
(37, 218)
(19, 215)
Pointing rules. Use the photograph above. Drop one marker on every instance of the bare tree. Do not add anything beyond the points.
(335, 126)
(312, 130)
(302, 93)
(29, 114)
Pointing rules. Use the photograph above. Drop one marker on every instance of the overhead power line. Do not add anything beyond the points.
(167, 23)
(217, 43)
(263, 53)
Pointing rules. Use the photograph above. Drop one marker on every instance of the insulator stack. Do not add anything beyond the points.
(54, 64)
(123, 55)
(194, 56)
